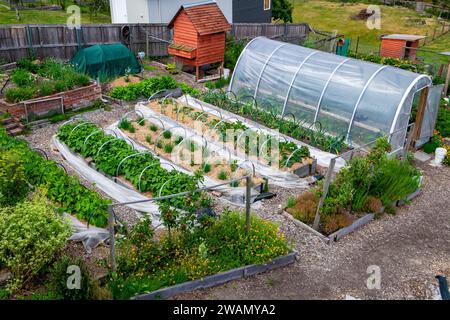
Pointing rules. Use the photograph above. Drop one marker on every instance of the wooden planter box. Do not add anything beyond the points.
(55, 103)
(219, 278)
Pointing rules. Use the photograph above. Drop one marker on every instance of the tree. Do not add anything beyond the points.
(282, 10)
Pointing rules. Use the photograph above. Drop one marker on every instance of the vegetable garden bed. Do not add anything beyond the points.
(291, 156)
(64, 190)
(367, 186)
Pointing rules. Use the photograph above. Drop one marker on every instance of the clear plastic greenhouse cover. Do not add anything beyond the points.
(350, 98)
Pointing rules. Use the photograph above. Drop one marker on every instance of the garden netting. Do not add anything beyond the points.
(345, 97)
(106, 61)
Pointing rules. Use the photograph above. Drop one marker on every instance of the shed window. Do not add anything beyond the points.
(267, 4)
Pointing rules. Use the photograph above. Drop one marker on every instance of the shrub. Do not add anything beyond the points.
(14, 95)
(31, 233)
(126, 124)
(59, 277)
(373, 205)
(187, 89)
(167, 134)
(28, 65)
(46, 88)
(153, 127)
(82, 80)
(146, 263)
(22, 78)
(168, 148)
(304, 207)
(394, 180)
(335, 222)
(291, 202)
(13, 186)
(207, 168)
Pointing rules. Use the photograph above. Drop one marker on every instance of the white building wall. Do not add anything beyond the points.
(156, 11)
(162, 11)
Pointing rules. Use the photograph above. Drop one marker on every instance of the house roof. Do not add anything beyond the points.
(206, 17)
(406, 37)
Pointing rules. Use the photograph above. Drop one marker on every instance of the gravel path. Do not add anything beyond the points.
(410, 248)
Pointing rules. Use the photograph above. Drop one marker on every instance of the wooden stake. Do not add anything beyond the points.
(447, 80)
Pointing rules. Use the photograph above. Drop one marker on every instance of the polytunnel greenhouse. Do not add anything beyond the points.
(353, 99)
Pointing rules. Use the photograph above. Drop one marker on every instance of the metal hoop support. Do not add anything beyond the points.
(128, 157)
(90, 135)
(255, 103)
(163, 100)
(77, 126)
(201, 114)
(224, 120)
(287, 114)
(240, 167)
(151, 97)
(42, 152)
(240, 136)
(48, 166)
(289, 158)
(112, 132)
(153, 117)
(162, 187)
(138, 112)
(314, 125)
(142, 172)
(104, 144)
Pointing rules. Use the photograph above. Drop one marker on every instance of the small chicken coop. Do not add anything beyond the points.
(199, 34)
(400, 46)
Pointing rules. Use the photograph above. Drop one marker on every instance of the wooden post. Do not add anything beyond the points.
(248, 194)
(420, 113)
(447, 80)
(112, 238)
(326, 185)
(197, 73)
(408, 142)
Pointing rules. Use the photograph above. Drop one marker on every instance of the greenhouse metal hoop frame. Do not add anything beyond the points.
(397, 114)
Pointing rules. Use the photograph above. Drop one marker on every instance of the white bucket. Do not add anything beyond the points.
(440, 154)
(141, 55)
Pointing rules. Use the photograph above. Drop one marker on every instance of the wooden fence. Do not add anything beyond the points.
(19, 41)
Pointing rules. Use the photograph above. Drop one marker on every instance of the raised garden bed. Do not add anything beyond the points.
(35, 90)
(144, 171)
(292, 158)
(367, 186)
(356, 224)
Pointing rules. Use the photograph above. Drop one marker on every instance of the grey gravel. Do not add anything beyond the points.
(41, 137)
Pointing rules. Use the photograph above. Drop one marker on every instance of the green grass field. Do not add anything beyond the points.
(330, 16)
(46, 17)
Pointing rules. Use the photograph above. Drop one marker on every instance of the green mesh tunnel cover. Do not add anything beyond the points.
(106, 61)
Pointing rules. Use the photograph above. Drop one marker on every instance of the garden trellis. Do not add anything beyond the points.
(347, 98)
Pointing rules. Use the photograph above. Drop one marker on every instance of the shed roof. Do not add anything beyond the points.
(206, 17)
(407, 37)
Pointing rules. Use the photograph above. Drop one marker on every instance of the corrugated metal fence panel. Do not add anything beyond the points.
(20, 41)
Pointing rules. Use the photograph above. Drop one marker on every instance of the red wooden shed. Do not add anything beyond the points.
(398, 46)
(199, 34)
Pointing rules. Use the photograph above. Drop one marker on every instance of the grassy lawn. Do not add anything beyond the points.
(330, 16)
(47, 17)
(441, 44)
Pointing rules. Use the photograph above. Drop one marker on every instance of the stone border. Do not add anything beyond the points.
(335, 236)
(219, 278)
